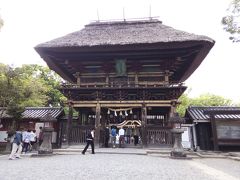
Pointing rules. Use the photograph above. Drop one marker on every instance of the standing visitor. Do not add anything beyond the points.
(128, 135)
(121, 137)
(90, 140)
(26, 140)
(33, 139)
(106, 136)
(113, 136)
(16, 146)
(135, 135)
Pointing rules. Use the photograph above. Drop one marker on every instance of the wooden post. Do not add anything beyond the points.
(136, 79)
(143, 127)
(69, 123)
(166, 77)
(172, 111)
(107, 80)
(97, 125)
(78, 78)
(214, 132)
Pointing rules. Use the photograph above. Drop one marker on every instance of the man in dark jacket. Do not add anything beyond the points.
(90, 140)
(16, 146)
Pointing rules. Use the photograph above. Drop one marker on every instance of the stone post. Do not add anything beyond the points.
(177, 151)
(46, 146)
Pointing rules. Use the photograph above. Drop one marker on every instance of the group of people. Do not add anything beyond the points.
(24, 141)
(121, 136)
(115, 136)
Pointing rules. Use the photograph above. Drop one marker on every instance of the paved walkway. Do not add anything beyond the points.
(108, 166)
(121, 163)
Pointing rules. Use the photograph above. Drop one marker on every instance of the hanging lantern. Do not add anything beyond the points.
(126, 114)
(108, 112)
(120, 113)
(115, 113)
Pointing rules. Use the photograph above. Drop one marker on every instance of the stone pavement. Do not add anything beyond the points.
(159, 152)
(117, 165)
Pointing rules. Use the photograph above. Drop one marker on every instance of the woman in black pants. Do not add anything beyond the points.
(90, 140)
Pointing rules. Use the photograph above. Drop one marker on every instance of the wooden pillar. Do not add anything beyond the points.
(97, 125)
(143, 127)
(166, 77)
(69, 123)
(172, 110)
(78, 78)
(136, 79)
(107, 80)
(214, 132)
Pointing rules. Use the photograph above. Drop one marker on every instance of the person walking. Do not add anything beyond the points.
(26, 140)
(90, 140)
(16, 146)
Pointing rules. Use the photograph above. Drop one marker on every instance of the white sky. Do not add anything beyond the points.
(30, 22)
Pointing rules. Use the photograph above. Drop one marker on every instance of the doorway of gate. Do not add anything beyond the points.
(122, 128)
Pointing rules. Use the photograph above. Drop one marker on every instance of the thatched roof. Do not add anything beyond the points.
(99, 40)
(123, 33)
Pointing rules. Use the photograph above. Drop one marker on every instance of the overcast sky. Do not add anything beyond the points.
(30, 22)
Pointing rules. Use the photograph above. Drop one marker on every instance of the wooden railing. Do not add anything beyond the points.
(159, 137)
(120, 85)
(78, 134)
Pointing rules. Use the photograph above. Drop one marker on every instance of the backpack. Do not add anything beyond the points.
(113, 132)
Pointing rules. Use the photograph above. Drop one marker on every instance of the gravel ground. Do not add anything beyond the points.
(116, 166)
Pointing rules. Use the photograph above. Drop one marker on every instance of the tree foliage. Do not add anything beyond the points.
(1, 23)
(202, 100)
(231, 22)
(28, 86)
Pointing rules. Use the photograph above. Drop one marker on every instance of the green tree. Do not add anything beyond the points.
(11, 92)
(29, 85)
(40, 86)
(231, 22)
(202, 100)
(1, 22)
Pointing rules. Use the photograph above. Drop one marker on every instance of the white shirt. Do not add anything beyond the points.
(121, 132)
(26, 137)
(92, 133)
(33, 136)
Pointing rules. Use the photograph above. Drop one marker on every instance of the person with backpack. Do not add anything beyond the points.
(113, 136)
(90, 140)
(16, 146)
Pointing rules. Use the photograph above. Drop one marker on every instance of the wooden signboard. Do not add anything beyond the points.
(228, 129)
(228, 132)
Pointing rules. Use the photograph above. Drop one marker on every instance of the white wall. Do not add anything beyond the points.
(3, 135)
(186, 138)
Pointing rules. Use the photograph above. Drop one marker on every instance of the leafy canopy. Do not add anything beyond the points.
(202, 100)
(29, 85)
(231, 22)
(1, 22)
